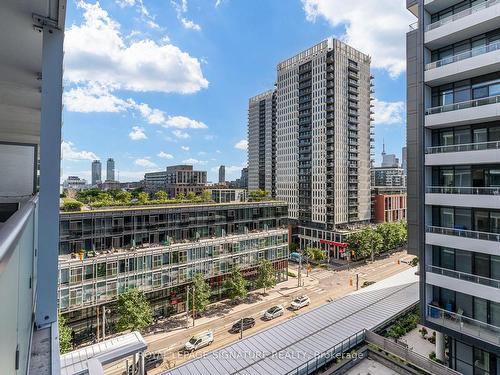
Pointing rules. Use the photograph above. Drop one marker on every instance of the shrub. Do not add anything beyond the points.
(70, 204)
(423, 332)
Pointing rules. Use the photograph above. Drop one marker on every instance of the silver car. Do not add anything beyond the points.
(274, 312)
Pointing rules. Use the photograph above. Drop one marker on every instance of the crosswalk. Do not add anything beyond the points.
(317, 290)
(321, 274)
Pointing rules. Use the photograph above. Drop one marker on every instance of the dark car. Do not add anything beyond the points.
(151, 361)
(247, 323)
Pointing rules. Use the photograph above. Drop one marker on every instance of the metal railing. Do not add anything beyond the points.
(408, 355)
(462, 14)
(329, 355)
(481, 50)
(468, 326)
(464, 233)
(463, 276)
(413, 26)
(463, 105)
(463, 190)
(493, 145)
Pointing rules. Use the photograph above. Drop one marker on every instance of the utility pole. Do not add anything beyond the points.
(97, 320)
(187, 306)
(299, 274)
(241, 328)
(194, 312)
(104, 323)
(357, 281)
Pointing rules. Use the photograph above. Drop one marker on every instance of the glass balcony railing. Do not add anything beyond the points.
(462, 14)
(463, 105)
(464, 55)
(463, 190)
(463, 276)
(17, 261)
(493, 145)
(465, 233)
(460, 323)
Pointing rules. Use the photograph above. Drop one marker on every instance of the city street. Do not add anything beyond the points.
(321, 286)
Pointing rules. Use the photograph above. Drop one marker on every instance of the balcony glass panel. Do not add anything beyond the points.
(459, 11)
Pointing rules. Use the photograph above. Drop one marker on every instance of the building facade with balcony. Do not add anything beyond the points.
(262, 142)
(176, 179)
(159, 249)
(453, 144)
(323, 139)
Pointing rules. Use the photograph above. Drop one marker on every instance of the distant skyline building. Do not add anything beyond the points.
(110, 170)
(404, 159)
(323, 140)
(96, 172)
(389, 160)
(222, 174)
(262, 142)
(75, 183)
(176, 179)
(244, 178)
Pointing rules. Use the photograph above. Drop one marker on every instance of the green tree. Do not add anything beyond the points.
(65, 342)
(180, 197)
(191, 196)
(161, 196)
(314, 254)
(143, 197)
(293, 247)
(70, 204)
(266, 276)
(236, 285)
(205, 196)
(134, 310)
(201, 291)
(258, 195)
(365, 243)
(123, 196)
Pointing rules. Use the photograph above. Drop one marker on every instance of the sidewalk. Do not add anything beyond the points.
(172, 325)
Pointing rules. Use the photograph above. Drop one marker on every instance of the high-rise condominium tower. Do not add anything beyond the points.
(96, 172)
(323, 139)
(110, 170)
(454, 176)
(262, 142)
(222, 174)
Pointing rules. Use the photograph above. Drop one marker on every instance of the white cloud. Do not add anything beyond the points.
(144, 162)
(377, 28)
(95, 51)
(195, 161)
(165, 155)
(209, 137)
(125, 3)
(388, 112)
(98, 98)
(69, 152)
(93, 98)
(218, 151)
(217, 3)
(137, 133)
(182, 122)
(185, 148)
(242, 145)
(180, 134)
(181, 8)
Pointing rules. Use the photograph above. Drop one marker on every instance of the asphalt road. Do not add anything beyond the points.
(326, 285)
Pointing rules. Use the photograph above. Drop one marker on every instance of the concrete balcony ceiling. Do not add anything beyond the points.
(20, 68)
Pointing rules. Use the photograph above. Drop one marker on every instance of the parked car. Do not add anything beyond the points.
(300, 302)
(199, 340)
(151, 361)
(238, 326)
(295, 257)
(274, 312)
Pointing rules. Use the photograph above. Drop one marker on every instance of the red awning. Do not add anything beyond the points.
(333, 243)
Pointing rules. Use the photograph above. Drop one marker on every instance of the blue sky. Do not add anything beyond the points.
(159, 82)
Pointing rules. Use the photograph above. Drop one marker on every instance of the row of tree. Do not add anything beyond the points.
(98, 198)
(135, 313)
(372, 241)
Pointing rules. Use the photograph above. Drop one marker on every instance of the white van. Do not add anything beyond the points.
(199, 341)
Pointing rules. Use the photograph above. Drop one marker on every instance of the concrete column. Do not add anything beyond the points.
(50, 161)
(440, 346)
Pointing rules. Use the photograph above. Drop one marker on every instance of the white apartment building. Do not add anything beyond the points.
(453, 137)
(323, 139)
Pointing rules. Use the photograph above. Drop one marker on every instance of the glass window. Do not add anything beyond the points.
(481, 309)
(89, 271)
(447, 258)
(463, 261)
(101, 269)
(480, 92)
(64, 276)
(480, 136)
(495, 89)
(495, 267)
(481, 222)
(461, 95)
(462, 177)
(495, 221)
(462, 218)
(481, 265)
(447, 177)
(494, 134)
(495, 313)
(481, 362)
(446, 138)
(462, 136)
